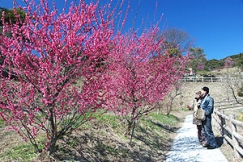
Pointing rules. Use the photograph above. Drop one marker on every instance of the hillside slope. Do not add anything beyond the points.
(218, 91)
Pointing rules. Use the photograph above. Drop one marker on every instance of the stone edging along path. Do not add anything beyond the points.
(186, 147)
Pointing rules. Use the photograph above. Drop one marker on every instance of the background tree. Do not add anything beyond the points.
(239, 61)
(49, 51)
(198, 59)
(234, 82)
(227, 64)
(176, 41)
(9, 16)
(168, 100)
(214, 64)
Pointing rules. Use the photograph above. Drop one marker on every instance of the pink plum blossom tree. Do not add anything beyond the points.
(49, 52)
(228, 62)
(140, 75)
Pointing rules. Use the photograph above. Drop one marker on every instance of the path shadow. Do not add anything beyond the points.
(219, 140)
(166, 127)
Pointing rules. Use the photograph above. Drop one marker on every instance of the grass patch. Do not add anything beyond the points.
(155, 129)
(165, 119)
(108, 119)
(20, 153)
(1, 123)
(103, 140)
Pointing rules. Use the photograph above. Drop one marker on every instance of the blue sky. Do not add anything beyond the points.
(215, 25)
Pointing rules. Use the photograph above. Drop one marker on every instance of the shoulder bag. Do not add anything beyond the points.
(200, 114)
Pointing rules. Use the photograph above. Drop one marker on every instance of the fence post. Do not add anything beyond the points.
(222, 124)
(234, 140)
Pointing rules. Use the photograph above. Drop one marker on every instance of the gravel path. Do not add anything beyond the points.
(186, 147)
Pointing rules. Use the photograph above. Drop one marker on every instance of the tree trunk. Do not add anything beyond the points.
(133, 127)
(129, 128)
(52, 147)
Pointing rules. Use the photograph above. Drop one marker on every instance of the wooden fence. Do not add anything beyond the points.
(201, 79)
(222, 78)
(229, 128)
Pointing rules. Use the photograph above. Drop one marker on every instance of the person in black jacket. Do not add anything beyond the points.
(207, 104)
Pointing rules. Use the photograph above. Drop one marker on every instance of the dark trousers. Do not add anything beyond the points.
(200, 134)
(207, 129)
